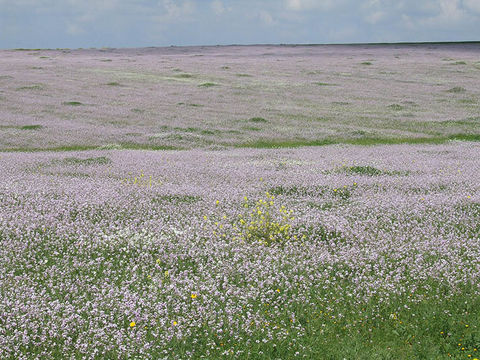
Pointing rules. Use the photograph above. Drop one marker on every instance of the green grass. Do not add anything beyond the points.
(72, 103)
(121, 146)
(257, 120)
(366, 63)
(31, 87)
(457, 89)
(101, 160)
(176, 199)
(363, 170)
(258, 143)
(207, 84)
(364, 141)
(184, 76)
(396, 107)
(323, 84)
(113, 83)
(31, 127)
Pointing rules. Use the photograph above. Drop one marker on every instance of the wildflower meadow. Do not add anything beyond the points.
(266, 202)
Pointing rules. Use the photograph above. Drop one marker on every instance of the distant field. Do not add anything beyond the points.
(218, 97)
(265, 202)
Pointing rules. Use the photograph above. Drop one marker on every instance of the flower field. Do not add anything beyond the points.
(230, 242)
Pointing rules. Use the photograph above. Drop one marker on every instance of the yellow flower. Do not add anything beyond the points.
(193, 296)
(132, 324)
(175, 323)
(166, 273)
(217, 202)
(278, 290)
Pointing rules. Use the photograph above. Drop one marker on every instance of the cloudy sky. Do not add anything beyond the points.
(136, 23)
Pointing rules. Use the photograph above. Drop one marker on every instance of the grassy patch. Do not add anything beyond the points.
(366, 63)
(277, 144)
(257, 120)
(207, 84)
(184, 76)
(31, 127)
(365, 141)
(31, 87)
(186, 104)
(458, 63)
(72, 103)
(101, 160)
(323, 84)
(121, 146)
(177, 199)
(395, 107)
(298, 190)
(457, 89)
(113, 83)
(251, 128)
(465, 137)
(321, 206)
(363, 170)
(243, 75)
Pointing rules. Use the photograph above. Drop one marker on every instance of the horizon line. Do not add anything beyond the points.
(470, 42)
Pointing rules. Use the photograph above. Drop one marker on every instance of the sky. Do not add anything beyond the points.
(139, 23)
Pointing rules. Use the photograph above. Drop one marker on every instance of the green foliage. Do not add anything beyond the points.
(257, 120)
(31, 87)
(298, 190)
(396, 107)
(262, 223)
(31, 127)
(363, 170)
(207, 84)
(184, 76)
(177, 199)
(457, 89)
(101, 160)
(72, 103)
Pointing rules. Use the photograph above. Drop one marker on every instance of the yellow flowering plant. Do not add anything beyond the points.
(262, 222)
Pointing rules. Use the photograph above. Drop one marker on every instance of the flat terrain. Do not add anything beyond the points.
(162, 203)
(217, 97)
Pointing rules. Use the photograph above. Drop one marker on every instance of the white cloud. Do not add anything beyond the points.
(473, 5)
(450, 9)
(301, 5)
(448, 12)
(266, 18)
(170, 11)
(176, 10)
(375, 17)
(75, 29)
(217, 7)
